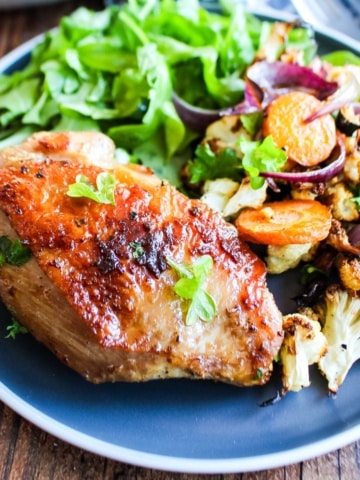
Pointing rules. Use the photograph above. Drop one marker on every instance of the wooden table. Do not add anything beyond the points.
(28, 453)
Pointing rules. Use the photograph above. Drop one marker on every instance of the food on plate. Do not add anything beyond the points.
(327, 334)
(246, 116)
(305, 142)
(116, 70)
(294, 139)
(339, 314)
(129, 279)
(284, 223)
(304, 344)
(281, 258)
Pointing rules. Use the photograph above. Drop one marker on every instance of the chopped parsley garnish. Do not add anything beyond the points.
(137, 249)
(104, 192)
(14, 329)
(355, 189)
(357, 201)
(13, 252)
(207, 165)
(251, 158)
(190, 286)
(260, 157)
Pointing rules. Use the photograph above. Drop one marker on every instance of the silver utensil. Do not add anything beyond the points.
(329, 13)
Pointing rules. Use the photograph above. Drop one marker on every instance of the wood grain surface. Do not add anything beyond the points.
(28, 453)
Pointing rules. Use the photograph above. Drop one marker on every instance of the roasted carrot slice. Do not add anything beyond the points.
(307, 143)
(286, 222)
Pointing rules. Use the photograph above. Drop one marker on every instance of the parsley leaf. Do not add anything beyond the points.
(252, 122)
(137, 249)
(105, 192)
(14, 329)
(190, 286)
(356, 200)
(260, 157)
(13, 252)
(207, 165)
(355, 190)
(257, 157)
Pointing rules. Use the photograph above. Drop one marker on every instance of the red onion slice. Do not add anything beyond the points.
(196, 118)
(278, 76)
(348, 93)
(267, 80)
(356, 107)
(336, 159)
(354, 236)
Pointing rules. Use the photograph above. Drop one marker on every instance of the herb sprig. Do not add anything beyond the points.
(13, 252)
(103, 193)
(190, 286)
(137, 248)
(14, 329)
(250, 158)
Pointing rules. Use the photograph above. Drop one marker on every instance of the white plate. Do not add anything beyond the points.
(179, 425)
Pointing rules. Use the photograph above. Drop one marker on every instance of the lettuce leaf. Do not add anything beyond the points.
(115, 70)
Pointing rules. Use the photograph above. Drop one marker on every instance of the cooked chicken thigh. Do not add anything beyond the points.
(111, 314)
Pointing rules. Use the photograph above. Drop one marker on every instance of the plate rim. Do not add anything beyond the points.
(174, 463)
(163, 462)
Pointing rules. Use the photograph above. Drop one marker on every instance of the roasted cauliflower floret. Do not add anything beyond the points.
(340, 315)
(303, 345)
(225, 133)
(245, 196)
(339, 240)
(304, 194)
(352, 167)
(349, 273)
(341, 203)
(285, 257)
(218, 192)
(229, 197)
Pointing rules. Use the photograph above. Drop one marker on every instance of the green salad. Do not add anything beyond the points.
(116, 71)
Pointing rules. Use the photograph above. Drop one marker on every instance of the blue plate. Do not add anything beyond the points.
(179, 425)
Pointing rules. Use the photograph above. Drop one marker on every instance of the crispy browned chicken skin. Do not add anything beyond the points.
(104, 312)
